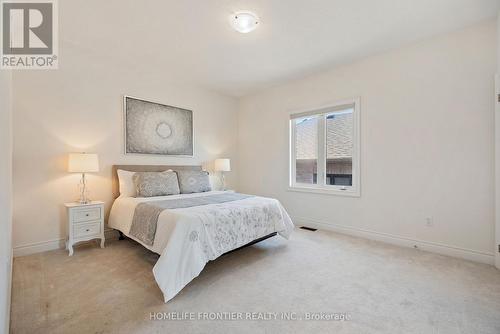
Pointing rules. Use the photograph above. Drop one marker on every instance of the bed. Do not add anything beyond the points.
(192, 229)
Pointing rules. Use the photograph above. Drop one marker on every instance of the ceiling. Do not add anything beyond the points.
(193, 42)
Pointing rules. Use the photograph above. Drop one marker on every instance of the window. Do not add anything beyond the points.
(324, 149)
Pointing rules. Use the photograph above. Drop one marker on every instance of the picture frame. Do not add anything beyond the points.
(155, 128)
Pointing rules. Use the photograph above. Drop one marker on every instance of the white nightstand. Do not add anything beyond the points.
(85, 222)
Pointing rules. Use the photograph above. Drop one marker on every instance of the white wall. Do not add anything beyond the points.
(5, 198)
(79, 108)
(497, 153)
(427, 124)
(427, 141)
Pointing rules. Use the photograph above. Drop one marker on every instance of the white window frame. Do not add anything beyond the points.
(321, 187)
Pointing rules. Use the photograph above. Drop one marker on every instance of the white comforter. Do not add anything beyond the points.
(188, 238)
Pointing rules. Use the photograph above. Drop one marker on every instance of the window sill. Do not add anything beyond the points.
(324, 191)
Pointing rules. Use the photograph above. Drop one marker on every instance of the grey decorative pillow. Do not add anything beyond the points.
(191, 181)
(149, 184)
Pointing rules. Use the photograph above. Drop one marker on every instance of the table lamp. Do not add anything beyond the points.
(223, 165)
(83, 163)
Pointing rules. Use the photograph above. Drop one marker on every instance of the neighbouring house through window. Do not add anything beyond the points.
(325, 149)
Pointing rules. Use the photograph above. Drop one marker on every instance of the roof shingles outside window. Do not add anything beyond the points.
(339, 138)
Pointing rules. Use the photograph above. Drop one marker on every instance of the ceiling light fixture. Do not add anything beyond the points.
(244, 21)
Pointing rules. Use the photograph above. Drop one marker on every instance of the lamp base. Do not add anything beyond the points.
(223, 179)
(83, 191)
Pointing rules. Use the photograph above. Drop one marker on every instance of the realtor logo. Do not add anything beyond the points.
(29, 34)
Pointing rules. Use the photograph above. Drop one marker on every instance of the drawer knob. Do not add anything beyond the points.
(87, 230)
(87, 215)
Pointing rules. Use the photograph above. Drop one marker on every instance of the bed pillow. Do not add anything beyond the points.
(191, 181)
(127, 187)
(150, 184)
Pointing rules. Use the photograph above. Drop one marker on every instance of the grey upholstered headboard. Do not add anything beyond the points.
(144, 168)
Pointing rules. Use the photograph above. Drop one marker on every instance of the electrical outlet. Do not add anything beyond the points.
(429, 222)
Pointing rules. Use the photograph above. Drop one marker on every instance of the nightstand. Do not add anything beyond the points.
(85, 222)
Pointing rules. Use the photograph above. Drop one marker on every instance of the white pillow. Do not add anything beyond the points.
(127, 187)
(126, 182)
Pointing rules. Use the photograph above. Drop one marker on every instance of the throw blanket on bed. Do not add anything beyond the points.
(146, 215)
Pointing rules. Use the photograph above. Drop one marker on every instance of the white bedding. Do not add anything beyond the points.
(187, 238)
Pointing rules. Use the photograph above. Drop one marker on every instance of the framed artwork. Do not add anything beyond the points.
(155, 128)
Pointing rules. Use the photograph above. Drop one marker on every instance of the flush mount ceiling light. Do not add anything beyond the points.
(244, 21)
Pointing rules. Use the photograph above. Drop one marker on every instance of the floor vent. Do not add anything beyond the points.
(309, 228)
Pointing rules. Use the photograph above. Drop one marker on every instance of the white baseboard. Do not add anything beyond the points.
(38, 247)
(44, 246)
(439, 248)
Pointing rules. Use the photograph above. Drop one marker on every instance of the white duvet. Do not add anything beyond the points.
(187, 238)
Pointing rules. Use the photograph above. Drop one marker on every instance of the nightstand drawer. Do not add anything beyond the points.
(86, 215)
(86, 230)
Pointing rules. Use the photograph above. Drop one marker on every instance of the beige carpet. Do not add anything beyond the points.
(380, 288)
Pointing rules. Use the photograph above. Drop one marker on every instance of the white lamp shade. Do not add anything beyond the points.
(222, 165)
(83, 163)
